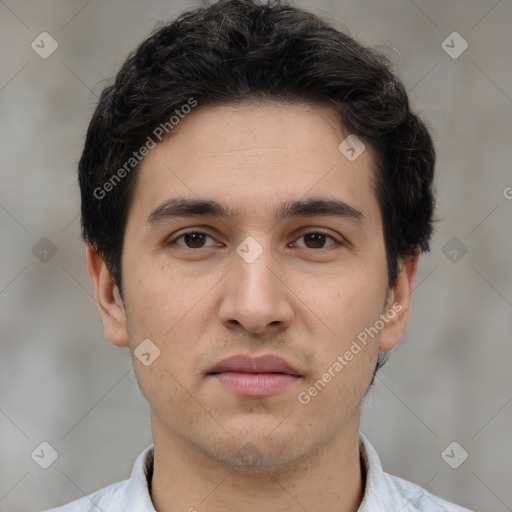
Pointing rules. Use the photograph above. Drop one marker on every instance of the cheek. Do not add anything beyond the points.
(164, 389)
(157, 310)
(350, 305)
(157, 301)
(347, 301)
(170, 311)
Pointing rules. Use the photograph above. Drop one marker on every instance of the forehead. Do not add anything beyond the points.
(242, 155)
(273, 131)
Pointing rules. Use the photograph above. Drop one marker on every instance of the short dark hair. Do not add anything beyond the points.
(234, 51)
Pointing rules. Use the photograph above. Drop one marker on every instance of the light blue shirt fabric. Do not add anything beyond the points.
(383, 492)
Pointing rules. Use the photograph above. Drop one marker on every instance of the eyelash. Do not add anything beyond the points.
(315, 232)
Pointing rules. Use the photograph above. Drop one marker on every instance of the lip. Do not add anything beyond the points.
(255, 377)
(245, 364)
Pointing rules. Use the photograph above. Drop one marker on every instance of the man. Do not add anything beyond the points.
(255, 197)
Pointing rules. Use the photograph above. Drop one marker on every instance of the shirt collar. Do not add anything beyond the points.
(137, 494)
(379, 495)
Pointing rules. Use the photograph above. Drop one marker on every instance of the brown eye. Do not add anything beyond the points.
(194, 240)
(191, 239)
(316, 240)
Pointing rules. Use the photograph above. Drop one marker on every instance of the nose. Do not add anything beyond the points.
(256, 297)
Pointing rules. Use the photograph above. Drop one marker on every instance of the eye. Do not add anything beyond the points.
(197, 240)
(316, 240)
(192, 240)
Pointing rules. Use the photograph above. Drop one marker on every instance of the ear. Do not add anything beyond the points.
(110, 305)
(398, 304)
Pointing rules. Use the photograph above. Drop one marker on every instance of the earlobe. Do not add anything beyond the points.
(108, 300)
(399, 304)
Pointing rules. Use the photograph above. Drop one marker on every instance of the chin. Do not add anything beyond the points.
(260, 452)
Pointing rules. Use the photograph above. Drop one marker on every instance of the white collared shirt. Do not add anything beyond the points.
(383, 492)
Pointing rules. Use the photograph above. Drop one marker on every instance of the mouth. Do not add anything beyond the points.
(255, 377)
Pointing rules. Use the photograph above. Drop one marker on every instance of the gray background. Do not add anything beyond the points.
(450, 378)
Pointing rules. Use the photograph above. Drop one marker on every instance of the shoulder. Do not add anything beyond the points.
(128, 495)
(109, 498)
(385, 492)
(418, 499)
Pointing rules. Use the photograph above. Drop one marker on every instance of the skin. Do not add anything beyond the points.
(303, 302)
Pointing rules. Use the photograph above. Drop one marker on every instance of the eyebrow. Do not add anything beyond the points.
(182, 207)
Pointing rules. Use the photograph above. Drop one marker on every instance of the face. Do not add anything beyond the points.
(295, 267)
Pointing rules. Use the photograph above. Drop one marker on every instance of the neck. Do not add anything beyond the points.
(187, 479)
